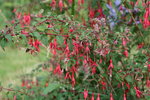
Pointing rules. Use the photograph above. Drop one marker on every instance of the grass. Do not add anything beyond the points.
(14, 62)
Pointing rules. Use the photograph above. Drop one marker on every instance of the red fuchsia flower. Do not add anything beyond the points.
(82, 1)
(60, 5)
(148, 66)
(58, 70)
(79, 2)
(93, 70)
(67, 51)
(73, 69)
(124, 42)
(85, 94)
(53, 4)
(49, 26)
(53, 46)
(14, 10)
(87, 50)
(46, 84)
(100, 61)
(128, 86)
(18, 15)
(13, 21)
(138, 92)
(71, 30)
(98, 97)
(124, 96)
(67, 75)
(100, 11)
(28, 86)
(24, 32)
(111, 66)
(15, 97)
(140, 45)
(115, 42)
(146, 22)
(103, 85)
(73, 81)
(148, 83)
(36, 44)
(91, 13)
(70, 1)
(111, 96)
(92, 98)
(27, 19)
(23, 83)
(125, 53)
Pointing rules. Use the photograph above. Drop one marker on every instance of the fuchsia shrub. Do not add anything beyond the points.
(101, 59)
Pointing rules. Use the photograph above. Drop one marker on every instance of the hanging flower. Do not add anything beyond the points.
(98, 97)
(124, 42)
(67, 75)
(92, 98)
(85, 94)
(53, 4)
(91, 13)
(125, 53)
(79, 2)
(27, 19)
(138, 92)
(60, 5)
(111, 96)
(57, 70)
(15, 97)
(73, 81)
(148, 83)
(82, 1)
(124, 96)
(93, 70)
(70, 1)
(111, 66)
(146, 22)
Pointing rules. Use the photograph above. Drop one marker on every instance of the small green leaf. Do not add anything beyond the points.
(9, 37)
(60, 40)
(50, 88)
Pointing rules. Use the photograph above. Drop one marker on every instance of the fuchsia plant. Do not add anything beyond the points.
(95, 60)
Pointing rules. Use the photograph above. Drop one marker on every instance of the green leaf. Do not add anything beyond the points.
(9, 37)
(50, 88)
(37, 35)
(42, 28)
(3, 43)
(129, 79)
(60, 40)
